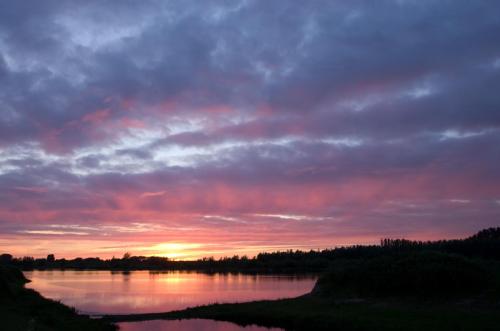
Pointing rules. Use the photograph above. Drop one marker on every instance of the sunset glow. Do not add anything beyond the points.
(192, 129)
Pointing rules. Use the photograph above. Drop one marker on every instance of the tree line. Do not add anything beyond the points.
(485, 245)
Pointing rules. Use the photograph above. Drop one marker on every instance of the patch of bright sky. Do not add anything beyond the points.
(347, 141)
(13, 62)
(6, 168)
(220, 217)
(362, 103)
(110, 160)
(224, 219)
(177, 156)
(180, 124)
(74, 227)
(185, 156)
(461, 201)
(18, 61)
(420, 88)
(86, 31)
(190, 156)
(23, 151)
(107, 154)
(353, 16)
(309, 30)
(292, 217)
(172, 250)
(265, 71)
(180, 250)
(219, 13)
(133, 227)
(218, 53)
(105, 230)
(9, 61)
(420, 92)
(52, 232)
(455, 134)
(167, 155)
(496, 63)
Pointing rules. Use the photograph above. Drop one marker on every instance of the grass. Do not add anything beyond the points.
(22, 309)
(417, 291)
(313, 313)
(412, 291)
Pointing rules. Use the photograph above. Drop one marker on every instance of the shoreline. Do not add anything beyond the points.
(400, 285)
(417, 291)
(309, 312)
(26, 309)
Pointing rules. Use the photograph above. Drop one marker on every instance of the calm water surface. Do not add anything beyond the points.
(190, 325)
(105, 292)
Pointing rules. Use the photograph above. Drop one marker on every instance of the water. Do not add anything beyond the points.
(189, 325)
(106, 292)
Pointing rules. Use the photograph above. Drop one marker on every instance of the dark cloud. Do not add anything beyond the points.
(116, 112)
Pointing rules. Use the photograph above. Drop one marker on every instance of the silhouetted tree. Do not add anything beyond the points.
(6, 258)
(485, 244)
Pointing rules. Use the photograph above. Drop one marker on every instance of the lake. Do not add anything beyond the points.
(110, 292)
(190, 325)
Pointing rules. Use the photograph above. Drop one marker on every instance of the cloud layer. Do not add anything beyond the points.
(239, 126)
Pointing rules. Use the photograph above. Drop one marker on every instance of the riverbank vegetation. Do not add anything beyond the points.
(316, 313)
(485, 245)
(399, 285)
(405, 291)
(26, 310)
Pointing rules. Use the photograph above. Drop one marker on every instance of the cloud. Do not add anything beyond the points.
(152, 194)
(328, 122)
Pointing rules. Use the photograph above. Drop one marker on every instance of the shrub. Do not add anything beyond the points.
(418, 274)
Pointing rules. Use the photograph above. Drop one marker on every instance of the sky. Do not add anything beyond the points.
(211, 128)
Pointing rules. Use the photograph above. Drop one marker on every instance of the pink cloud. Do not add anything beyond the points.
(97, 117)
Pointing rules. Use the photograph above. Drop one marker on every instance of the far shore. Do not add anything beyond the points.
(314, 313)
(399, 285)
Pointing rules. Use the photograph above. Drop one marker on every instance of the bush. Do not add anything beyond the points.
(12, 281)
(423, 274)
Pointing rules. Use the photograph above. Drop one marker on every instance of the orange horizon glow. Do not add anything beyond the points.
(85, 248)
(239, 127)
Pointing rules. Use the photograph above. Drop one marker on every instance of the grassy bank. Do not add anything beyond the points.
(312, 313)
(422, 291)
(23, 309)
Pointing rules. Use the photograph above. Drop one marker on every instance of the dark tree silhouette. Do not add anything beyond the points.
(485, 245)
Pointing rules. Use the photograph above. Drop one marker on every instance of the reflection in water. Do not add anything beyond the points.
(189, 325)
(144, 292)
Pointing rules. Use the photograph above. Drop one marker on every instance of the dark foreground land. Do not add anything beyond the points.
(399, 285)
(408, 290)
(312, 313)
(447, 292)
(22, 309)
